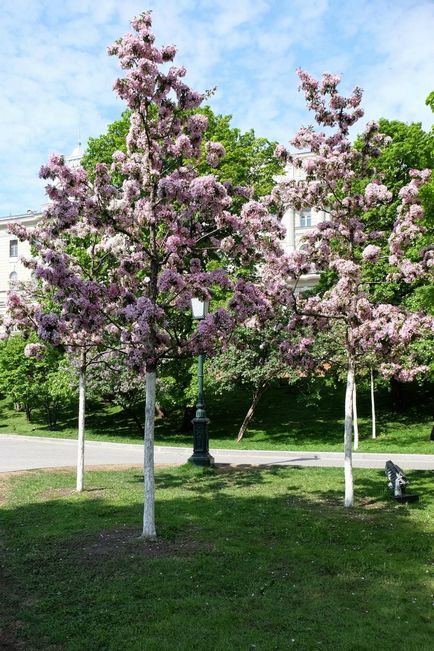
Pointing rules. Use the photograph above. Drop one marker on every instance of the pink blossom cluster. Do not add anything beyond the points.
(401, 373)
(215, 152)
(34, 350)
(371, 253)
(376, 193)
(408, 228)
(340, 110)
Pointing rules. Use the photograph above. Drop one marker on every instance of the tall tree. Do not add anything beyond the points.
(62, 307)
(341, 181)
(32, 377)
(163, 236)
(252, 360)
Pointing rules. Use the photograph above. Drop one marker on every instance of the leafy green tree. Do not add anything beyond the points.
(101, 148)
(430, 101)
(35, 382)
(253, 361)
(249, 160)
(410, 148)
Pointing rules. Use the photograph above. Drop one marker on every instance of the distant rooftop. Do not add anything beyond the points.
(29, 213)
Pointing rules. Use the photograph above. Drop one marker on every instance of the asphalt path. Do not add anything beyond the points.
(31, 452)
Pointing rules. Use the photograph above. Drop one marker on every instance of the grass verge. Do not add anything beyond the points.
(253, 559)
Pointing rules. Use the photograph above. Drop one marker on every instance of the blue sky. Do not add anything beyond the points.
(57, 79)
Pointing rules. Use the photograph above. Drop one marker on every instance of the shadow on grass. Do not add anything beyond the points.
(269, 556)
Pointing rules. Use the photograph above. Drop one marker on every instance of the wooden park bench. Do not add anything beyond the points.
(397, 483)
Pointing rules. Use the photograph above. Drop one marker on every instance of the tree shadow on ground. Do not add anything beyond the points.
(271, 553)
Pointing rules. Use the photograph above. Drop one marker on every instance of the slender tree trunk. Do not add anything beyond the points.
(374, 422)
(257, 395)
(81, 422)
(28, 413)
(148, 458)
(348, 466)
(355, 421)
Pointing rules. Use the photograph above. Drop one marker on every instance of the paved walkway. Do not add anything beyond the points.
(29, 452)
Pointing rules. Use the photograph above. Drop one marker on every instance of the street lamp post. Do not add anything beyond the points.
(201, 455)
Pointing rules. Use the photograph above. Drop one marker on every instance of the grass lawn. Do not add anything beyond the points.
(282, 421)
(252, 559)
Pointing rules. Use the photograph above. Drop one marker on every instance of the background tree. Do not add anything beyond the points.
(32, 377)
(63, 304)
(251, 360)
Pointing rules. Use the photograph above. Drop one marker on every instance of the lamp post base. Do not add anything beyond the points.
(201, 459)
(201, 455)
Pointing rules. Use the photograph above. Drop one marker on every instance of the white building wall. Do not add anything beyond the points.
(295, 224)
(12, 264)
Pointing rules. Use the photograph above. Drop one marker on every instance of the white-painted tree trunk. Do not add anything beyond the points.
(355, 421)
(81, 423)
(148, 459)
(374, 422)
(348, 463)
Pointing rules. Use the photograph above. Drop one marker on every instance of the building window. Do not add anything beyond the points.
(13, 248)
(305, 218)
(13, 277)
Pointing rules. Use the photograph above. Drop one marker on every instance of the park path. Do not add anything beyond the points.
(31, 452)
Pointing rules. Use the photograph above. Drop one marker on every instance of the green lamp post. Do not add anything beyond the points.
(201, 455)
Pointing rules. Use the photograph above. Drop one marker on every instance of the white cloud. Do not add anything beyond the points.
(56, 74)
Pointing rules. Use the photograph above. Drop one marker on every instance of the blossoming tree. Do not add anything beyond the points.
(163, 235)
(342, 181)
(61, 304)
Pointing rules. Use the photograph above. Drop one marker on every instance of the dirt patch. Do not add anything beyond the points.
(9, 637)
(56, 493)
(114, 544)
(377, 503)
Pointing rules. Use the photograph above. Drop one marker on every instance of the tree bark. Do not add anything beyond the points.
(28, 413)
(355, 421)
(149, 531)
(374, 423)
(81, 422)
(348, 465)
(257, 395)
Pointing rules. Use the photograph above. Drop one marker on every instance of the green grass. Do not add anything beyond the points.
(283, 421)
(258, 559)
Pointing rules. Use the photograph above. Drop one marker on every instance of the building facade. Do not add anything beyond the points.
(298, 223)
(12, 269)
